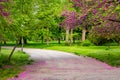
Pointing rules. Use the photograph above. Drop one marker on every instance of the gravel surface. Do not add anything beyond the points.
(56, 65)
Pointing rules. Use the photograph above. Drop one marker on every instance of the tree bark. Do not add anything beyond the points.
(59, 40)
(0, 46)
(59, 32)
(73, 40)
(5, 42)
(63, 37)
(42, 41)
(9, 57)
(83, 34)
(71, 36)
(114, 20)
(47, 39)
(22, 41)
(119, 43)
(67, 36)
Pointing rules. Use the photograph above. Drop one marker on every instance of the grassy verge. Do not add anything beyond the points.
(10, 69)
(110, 56)
(103, 53)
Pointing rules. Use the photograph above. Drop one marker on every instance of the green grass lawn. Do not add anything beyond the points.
(110, 56)
(10, 69)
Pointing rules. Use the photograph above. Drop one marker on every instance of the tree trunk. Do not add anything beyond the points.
(71, 36)
(22, 41)
(9, 57)
(63, 37)
(59, 32)
(58, 40)
(73, 40)
(5, 42)
(83, 34)
(67, 36)
(119, 43)
(42, 41)
(47, 39)
(0, 46)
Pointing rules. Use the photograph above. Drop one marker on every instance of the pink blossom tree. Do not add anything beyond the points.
(99, 11)
(69, 23)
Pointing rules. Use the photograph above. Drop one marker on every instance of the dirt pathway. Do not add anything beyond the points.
(55, 65)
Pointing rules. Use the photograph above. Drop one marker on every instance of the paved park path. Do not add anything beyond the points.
(56, 65)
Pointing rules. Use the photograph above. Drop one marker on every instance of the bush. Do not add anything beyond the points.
(100, 35)
(3, 60)
(86, 43)
(110, 44)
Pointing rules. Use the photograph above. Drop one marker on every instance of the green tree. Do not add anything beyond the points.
(21, 14)
(48, 13)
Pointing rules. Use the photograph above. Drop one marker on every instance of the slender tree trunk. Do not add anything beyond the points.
(0, 46)
(63, 37)
(58, 40)
(119, 43)
(67, 36)
(42, 41)
(36, 40)
(73, 40)
(47, 39)
(83, 34)
(22, 41)
(5, 42)
(59, 32)
(9, 57)
(108, 40)
(71, 36)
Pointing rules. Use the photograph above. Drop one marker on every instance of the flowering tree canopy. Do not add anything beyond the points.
(3, 8)
(70, 19)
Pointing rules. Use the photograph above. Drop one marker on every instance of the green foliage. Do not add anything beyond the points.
(10, 69)
(86, 43)
(100, 41)
(96, 40)
(111, 44)
(98, 37)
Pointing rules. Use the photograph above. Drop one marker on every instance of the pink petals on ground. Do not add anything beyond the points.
(55, 65)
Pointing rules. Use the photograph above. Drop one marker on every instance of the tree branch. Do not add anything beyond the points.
(114, 20)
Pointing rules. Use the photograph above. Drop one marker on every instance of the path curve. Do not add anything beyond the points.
(56, 65)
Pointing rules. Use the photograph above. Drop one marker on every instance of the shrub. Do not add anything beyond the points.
(104, 34)
(111, 44)
(86, 43)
